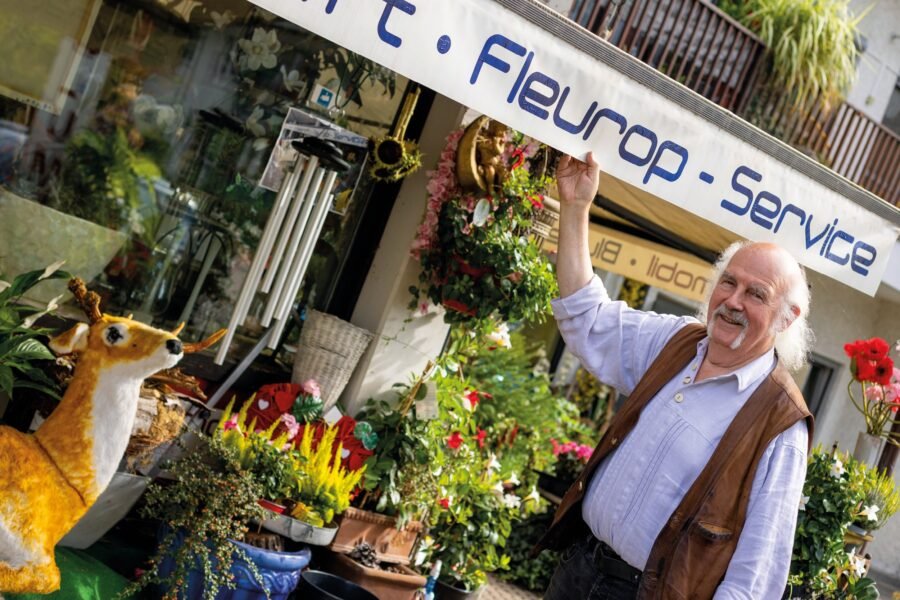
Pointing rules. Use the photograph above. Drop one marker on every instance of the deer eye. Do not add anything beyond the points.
(114, 334)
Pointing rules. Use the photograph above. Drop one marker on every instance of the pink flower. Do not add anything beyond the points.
(874, 393)
(231, 423)
(445, 503)
(584, 452)
(893, 392)
(293, 427)
(311, 388)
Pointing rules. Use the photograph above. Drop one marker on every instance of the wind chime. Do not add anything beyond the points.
(288, 240)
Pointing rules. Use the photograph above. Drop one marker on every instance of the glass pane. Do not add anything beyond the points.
(137, 156)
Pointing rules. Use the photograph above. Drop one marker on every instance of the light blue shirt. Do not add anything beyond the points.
(637, 488)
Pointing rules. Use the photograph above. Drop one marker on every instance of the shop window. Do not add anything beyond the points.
(891, 118)
(133, 136)
(819, 380)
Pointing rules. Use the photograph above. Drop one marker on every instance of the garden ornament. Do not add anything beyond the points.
(49, 479)
(480, 166)
(394, 157)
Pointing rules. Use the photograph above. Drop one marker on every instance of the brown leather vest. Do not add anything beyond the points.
(691, 554)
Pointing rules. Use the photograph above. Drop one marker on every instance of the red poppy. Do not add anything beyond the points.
(445, 503)
(455, 440)
(479, 437)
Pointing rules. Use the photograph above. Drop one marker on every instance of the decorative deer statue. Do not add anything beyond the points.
(48, 480)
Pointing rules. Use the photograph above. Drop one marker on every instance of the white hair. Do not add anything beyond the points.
(792, 340)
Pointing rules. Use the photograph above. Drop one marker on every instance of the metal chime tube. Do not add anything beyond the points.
(297, 231)
(248, 290)
(309, 243)
(287, 225)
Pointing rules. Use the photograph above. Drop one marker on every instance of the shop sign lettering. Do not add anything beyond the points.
(497, 62)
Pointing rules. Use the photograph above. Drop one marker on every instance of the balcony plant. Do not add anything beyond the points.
(476, 255)
(879, 394)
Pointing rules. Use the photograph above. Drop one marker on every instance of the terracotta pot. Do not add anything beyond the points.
(448, 592)
(384, 584)
(391, 544)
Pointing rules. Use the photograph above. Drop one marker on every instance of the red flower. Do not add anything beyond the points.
(455, 440)
(479, 437)
(883, 370)
(473, 398)
(873, 349)
(445, 503)
(459, 307)
(537, 201)
(864, 369)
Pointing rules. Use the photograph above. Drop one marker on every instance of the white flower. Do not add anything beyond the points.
(292, 81)
(513, 480)
(533, 496)
(857, 564)
(498, 490)
(260, 50)
(500, 336)
(494, 464)
(51, 269)
(511, 501)
(51, 306)
(870, 512)
(253, 124)
(804, 500)
(837, 468)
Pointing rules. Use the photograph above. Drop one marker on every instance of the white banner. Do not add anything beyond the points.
(498, 63)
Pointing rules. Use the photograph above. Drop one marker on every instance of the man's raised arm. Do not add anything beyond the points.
(578, 182)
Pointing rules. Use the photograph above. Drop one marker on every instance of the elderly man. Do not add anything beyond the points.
(693, 492)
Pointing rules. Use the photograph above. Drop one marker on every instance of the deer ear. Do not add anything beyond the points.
(73, 340)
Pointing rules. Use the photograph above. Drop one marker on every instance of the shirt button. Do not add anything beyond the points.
(615, 441)
(580, 485)
(686, 380)
(679, 397)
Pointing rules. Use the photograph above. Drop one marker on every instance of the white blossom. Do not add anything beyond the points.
(500, 336)
(494, 464)
(804, 500)
(260, 50)
(870, 512)
(837, 468)
(512, 501)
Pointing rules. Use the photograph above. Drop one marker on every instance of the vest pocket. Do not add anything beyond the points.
(713, 533)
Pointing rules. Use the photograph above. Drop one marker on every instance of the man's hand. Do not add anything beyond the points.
(577, 181)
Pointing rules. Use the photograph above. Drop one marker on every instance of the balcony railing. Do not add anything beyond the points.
(691, 41)
(695, 43)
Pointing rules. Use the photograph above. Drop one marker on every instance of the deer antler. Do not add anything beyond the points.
(200, 346)
(89, 301)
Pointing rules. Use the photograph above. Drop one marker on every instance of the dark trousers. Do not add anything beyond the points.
(590, 570)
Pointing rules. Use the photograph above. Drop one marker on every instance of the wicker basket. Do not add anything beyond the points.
(328, 351)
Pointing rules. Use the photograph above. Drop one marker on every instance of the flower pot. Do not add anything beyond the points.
(867, 446)
(444, 591)
(280, 572)
(300, 531)
(384, 584)
(391, 544)
(316, 585)
(272, 506)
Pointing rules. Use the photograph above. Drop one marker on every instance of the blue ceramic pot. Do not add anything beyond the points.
(280, 573)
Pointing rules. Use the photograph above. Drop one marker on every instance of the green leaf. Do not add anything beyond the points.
(32, 349)
(6, 380)
(22, 383)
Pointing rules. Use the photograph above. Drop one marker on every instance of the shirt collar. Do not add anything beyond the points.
(749, 373)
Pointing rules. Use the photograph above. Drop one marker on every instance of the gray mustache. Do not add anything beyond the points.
(733, 315)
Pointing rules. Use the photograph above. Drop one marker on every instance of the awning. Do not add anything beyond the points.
(521, 63)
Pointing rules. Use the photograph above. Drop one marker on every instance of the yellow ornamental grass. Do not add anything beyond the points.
(327, 485)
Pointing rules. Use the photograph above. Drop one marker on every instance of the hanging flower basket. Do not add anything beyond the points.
(479, 258)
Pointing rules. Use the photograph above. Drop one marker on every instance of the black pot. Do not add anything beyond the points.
(448, 592)
(553, 484)
(316, 585)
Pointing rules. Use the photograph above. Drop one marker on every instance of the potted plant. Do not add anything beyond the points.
(832, 497)
(205, 511)
(879, 399)
(477, 258)
(880, 501)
